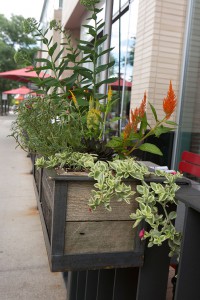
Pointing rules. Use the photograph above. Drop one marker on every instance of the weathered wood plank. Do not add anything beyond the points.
(37, 178)
(88, 261)
(58, 218)
(48, 181)
(47, 212)
(48, 189)
(78, 209)
(99, 237)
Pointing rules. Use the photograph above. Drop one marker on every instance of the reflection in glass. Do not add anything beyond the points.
(123, 40)
(189, 128)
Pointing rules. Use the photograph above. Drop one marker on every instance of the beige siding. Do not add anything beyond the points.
(159, 49)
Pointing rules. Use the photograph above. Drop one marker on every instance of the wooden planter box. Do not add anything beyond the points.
(77, 238)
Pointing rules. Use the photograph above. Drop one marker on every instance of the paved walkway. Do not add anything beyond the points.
(24, 269)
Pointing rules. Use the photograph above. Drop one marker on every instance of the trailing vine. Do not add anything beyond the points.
(154, 199)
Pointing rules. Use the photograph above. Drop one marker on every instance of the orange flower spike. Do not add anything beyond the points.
(169, 103)
(127, 130)
(142, 107)
(135, 119)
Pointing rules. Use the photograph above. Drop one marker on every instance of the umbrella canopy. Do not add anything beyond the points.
(22, 75)
(23, 90)
(119, 83)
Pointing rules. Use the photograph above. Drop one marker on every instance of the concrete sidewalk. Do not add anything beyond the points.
(24, 269)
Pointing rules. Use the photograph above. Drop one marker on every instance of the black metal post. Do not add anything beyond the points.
(153, 276)
(111, 284)
(187, 286)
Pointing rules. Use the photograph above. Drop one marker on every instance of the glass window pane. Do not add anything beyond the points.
(189, 129)
(123, 40)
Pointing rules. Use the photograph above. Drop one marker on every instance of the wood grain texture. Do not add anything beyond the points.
(47, 212)
(37, 178)
(78, 209)
(49, 181)
(48, 188)
(99, 237)
(81, 230)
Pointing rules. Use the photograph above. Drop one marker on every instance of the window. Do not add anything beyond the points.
(123, 39)
(189, 128)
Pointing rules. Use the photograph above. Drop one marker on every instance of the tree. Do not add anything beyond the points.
(12, 37)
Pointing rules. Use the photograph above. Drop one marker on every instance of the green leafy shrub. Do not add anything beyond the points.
(67, 126)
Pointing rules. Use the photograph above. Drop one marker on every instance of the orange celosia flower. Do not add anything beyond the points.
(169, 103)
(135, 118)
(127, 130)
(142, 107)
(138, 113)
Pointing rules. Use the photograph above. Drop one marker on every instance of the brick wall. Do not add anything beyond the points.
(159, 49)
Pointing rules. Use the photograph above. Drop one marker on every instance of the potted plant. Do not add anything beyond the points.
(91, 189)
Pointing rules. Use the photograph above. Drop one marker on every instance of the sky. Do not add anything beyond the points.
(26, 8)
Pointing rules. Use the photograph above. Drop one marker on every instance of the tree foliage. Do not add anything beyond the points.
(12, 37)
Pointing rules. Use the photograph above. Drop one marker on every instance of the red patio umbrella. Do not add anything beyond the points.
(23, 90)
(22, 75)
(120, 83)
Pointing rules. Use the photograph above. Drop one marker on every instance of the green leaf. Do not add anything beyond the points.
(143, 125)
(41, 92)
(82, 102)
(86, 82)
(162, 129)
(115, 142)
(52, 49)
(109, 80)
(88, 26)
(101, 40)
(172, 215)
(43, 60)
(78, 68)
(49, 42)
(45, 41)
(100, 26)
(85, 74)
(105, 51)
(84, 42)
(62, 68)
(153, 111)
(104, 67)
(150, 148)
(171, 123)
(92, 32)
(69, 80)
(72, 57)
(59, 54)
(86, 49)
(47, 67)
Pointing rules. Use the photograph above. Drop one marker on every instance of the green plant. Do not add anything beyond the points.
(74, 103)
(138, 128)
(155, 199)
(66, 125)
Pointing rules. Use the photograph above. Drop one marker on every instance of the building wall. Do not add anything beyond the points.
(159, 50)
(72, 14)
